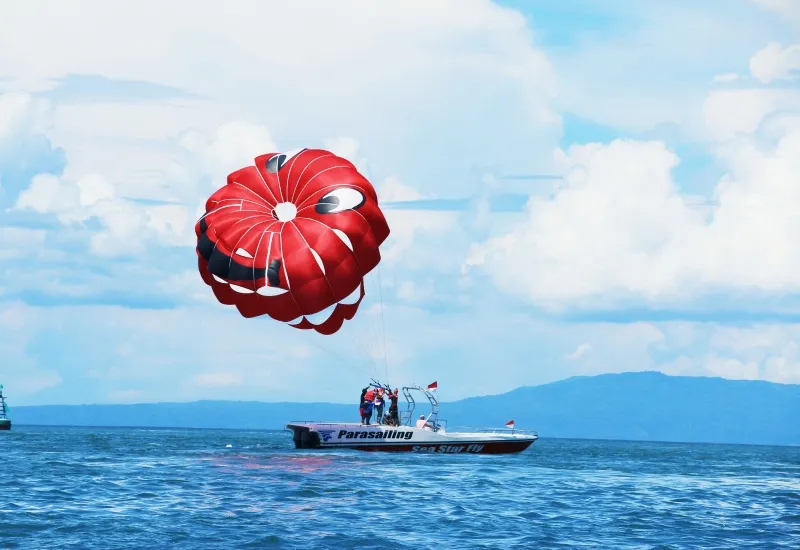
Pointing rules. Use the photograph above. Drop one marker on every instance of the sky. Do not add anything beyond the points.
(572, 189)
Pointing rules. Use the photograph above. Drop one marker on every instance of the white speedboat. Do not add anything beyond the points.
(407, 437)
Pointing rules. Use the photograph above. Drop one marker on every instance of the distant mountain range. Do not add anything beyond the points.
(647, 406)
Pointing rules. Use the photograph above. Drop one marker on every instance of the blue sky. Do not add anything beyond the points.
(572, 189)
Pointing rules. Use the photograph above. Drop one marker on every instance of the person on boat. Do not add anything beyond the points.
(422, 423)
(393, 420)
(361, 404)
(366, 412)
(366, 406)
(379, 406)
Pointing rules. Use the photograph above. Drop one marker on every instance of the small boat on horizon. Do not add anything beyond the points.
(5, 422)
(433, 437)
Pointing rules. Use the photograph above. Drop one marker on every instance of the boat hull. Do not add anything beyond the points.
(5, 424)
(454, 447)
(404, 439)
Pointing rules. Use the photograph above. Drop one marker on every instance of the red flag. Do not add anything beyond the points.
(510, 424)
(433, 386)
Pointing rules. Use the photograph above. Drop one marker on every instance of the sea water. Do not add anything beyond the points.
(195, 489)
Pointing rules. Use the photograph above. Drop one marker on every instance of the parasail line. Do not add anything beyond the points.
(383, 324)
(366, 354)
(376, 332)
(358, 345)
(337, 356)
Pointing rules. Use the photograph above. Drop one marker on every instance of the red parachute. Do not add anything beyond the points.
(292, 237)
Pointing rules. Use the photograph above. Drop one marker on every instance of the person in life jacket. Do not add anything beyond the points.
(379, 406)
(366, 406)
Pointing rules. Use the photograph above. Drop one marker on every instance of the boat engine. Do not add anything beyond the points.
(304, 438)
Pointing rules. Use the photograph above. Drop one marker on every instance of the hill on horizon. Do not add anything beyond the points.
(648, 406)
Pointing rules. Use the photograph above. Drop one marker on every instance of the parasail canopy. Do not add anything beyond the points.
(292, 237)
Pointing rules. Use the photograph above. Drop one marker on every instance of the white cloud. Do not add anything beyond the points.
(412, 234)
(21, 113)
(772, 62)
(417, 103)
(787, 8)
(17, 242)
(347, 148)
(776, 63)
(639, 76)
(197, 352)
(727, 77)
(752, 352)
(414, 291)
(131, 229)
(366, 91)
(429, 236)
(620, 232)
(232, 146)
(128, 228)
(385, 83)
(580, 351)
(126, 225)
(20, 373)
(210, 352)
(190, 285)
(135, 145)
(713, 365)
(619, 229)
(393, 190)
(12, 317)
(756, 352)
(36, 381)
(732, 113)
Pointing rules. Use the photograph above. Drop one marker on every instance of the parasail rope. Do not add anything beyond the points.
(383, 325)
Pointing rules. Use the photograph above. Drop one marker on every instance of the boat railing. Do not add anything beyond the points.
(502, 431)
(318, 423)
